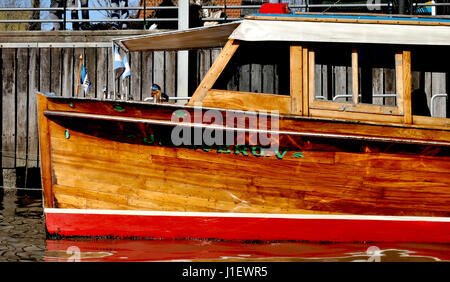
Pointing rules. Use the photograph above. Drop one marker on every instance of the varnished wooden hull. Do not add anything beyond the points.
(109, 169)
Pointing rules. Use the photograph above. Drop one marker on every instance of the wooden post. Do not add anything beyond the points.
(216, 69)
(145, 14)
(33, 144)
(402, 7)
(8, 105)
(9, 83)
(406, 81)
(305, 82)
(399, 81)
(21, 107)
(183, 55)
(311, 69)
(355, 76)
(296, 79)
(79, 73)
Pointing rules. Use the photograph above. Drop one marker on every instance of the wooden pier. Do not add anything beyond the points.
(49, 62)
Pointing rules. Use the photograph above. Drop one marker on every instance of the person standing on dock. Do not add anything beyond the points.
(119, 14)
(55, 15)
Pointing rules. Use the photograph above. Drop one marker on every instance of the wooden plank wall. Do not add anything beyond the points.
(58, 71)
(24, 71)
(255, 78)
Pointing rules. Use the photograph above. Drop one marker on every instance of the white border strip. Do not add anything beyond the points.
(246, 215)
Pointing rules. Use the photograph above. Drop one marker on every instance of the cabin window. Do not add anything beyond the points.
(355, 78)
(257, 68)
(333, 74)
(430, 82)
(376, 75)
(335, 78)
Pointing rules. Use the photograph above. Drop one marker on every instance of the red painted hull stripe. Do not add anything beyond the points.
(245, 228)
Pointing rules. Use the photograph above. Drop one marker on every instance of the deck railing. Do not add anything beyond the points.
(64, 20)
(371, 5)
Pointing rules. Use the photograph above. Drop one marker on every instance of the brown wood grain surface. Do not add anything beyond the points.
(45, 158)
(247, 101)
(94, 167)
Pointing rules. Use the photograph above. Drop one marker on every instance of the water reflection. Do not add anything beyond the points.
(22, 233)
(199, 250)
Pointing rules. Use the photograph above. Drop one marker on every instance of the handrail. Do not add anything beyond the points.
(381, 95)
(433, 97)
(29, 9)
(64, 20)
(306, 7)
(170, 98)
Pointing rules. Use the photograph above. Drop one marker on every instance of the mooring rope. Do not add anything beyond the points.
(20, 188)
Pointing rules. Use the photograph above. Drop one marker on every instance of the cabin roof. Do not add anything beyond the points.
(194, 38)
(256, 29)
(357, 18)
(310, 27)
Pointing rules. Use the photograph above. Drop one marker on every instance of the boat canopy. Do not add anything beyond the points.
(341, 32)
(194, 38)
(301, 28)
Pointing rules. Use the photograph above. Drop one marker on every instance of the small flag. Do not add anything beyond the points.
(428, 9)
(84, 80)
(127, 71)
(118, 63)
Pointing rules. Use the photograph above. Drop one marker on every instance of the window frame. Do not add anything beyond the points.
(208, 96)
(301, 100)
(355, 109)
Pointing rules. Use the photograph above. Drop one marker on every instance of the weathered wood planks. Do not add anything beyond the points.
(25, 71)
(102, 71)
(8, 108)
(33, 86)
(136, 77)
(22, 108)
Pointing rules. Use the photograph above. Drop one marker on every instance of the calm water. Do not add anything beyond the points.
(22, 238)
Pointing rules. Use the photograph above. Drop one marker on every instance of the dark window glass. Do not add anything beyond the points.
(259, 68)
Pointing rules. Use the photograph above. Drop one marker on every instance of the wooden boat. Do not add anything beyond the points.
(290, 159)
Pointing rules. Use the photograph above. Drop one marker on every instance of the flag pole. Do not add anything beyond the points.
(79, 73)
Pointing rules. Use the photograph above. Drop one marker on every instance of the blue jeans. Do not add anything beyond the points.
(74, 14)
(120, 14)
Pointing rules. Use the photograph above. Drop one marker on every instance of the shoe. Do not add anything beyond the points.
(86, 26)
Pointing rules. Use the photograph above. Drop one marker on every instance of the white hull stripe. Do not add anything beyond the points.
(246, 215)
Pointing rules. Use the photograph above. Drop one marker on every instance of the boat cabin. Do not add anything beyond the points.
(371, 68)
